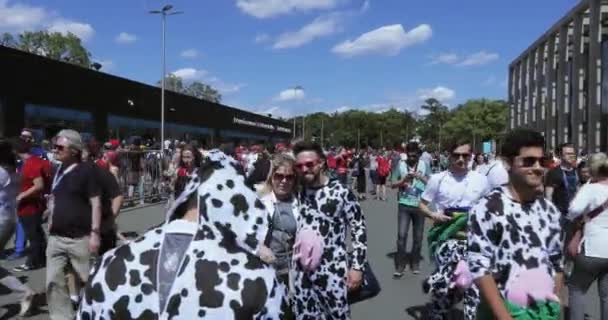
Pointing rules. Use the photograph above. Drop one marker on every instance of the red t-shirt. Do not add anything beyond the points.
(331, 162)
(33, 168)
(342, 164)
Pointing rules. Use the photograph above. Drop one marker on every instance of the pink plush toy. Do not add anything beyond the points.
(534, 285)
(462, 277)
(308, 249)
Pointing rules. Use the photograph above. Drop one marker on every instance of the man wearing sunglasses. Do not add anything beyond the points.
(514, 231)
(452, 193)
(562, 182)
(327, 206)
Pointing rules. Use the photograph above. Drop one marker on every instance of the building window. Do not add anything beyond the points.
(47, 121)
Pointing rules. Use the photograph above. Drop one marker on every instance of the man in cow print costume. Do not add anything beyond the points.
(452, 193)
(514, 230)
(327, 207)
(201, 263)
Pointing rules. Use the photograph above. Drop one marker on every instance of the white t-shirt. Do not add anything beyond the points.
(444, 190)
(496, 173)
(590, 197)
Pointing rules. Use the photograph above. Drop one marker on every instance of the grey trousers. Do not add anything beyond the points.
(586, 270)
(407, 215)
(61, 254)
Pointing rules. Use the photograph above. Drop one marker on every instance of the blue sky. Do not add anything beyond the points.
(344, 53)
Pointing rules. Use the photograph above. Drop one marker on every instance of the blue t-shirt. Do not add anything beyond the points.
(410, 195)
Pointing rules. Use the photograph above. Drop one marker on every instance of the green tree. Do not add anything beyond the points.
(477, 121)
(431, 127)
(195, 89)
(67, 48)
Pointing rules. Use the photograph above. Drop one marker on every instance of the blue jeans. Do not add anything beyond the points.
(406, 215)
(19, 238)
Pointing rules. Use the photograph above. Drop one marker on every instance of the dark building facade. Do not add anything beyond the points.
(47, 95)
(556, 85)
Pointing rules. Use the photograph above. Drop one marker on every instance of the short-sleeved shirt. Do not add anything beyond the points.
(109, 190)
(410, 195)
(496, 173)
(562, 195)
(448, 191)
(71, 216)
(33, 168)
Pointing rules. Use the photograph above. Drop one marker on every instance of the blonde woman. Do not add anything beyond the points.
(278, 197)
(591, 261)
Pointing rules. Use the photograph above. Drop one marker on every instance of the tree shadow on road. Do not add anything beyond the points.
(422, 313)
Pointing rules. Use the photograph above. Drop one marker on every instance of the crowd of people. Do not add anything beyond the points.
(260, 231)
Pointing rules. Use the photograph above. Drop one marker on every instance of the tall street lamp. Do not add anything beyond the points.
(164, 12)
(295, 97)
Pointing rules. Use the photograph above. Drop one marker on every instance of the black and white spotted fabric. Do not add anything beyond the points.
(220, 276)
(506, 237)
(440, 283)
(322, 294)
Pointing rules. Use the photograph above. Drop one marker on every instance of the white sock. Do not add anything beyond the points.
(74, 298)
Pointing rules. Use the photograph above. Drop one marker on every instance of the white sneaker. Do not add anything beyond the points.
(26, 303)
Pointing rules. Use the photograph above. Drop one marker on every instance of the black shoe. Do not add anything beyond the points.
(24, 267)
(398, 275)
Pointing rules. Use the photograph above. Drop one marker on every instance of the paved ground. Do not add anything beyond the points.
(399, 299)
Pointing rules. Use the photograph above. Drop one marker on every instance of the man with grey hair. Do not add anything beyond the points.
(74, 222)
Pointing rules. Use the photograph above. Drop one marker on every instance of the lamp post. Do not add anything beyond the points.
(164, 12)
(295, 97)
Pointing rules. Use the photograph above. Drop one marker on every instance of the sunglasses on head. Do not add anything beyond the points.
(307, 164)
(457, 155)
(531, 161)
(281, 177)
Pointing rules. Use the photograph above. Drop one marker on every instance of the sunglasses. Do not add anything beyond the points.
(281, 177)
(59, 147)
(528, 162)
(308, 164)
(457, 155)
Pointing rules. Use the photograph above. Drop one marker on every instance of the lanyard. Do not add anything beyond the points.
(57, 178)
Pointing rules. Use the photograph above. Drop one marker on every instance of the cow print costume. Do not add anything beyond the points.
(322, 294)
(506, 237)
(219, 277)
(440, 283)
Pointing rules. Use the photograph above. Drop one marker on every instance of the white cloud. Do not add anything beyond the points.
(290, 94)
(446, 58)
(479, 58)
(386, 40)
(271, 8)
(473, 59)
(440, 93)
(275, 111)
(320, 27)
(261, 38)
(125, 38)
(189, 54)
(365, 6)
(189, 74)
(20, 17)
(84, 31)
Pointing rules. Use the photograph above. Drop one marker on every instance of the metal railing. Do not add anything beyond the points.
(143, 177)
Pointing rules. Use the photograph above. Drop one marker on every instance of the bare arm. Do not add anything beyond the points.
(36, 188)
(95, 212)
(426, 210)
(491, 295)
(116, 205)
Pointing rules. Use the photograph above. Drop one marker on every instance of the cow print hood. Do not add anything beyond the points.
(219, 277)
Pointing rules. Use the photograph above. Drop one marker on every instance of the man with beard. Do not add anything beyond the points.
(327, 206)
(412, 177)
(514, 232)
(452, 193)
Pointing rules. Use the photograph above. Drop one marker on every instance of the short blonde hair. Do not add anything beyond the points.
(278, 160)
(598, 165)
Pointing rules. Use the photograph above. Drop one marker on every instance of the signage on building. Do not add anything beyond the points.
(258, 124)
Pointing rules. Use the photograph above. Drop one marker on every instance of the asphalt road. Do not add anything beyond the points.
(399, 299)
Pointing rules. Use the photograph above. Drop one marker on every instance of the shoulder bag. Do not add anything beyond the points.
(574, 245)
(368, 289)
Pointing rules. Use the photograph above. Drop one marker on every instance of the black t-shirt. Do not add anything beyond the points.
(109, 190)
(72, 213)
(558, 179)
